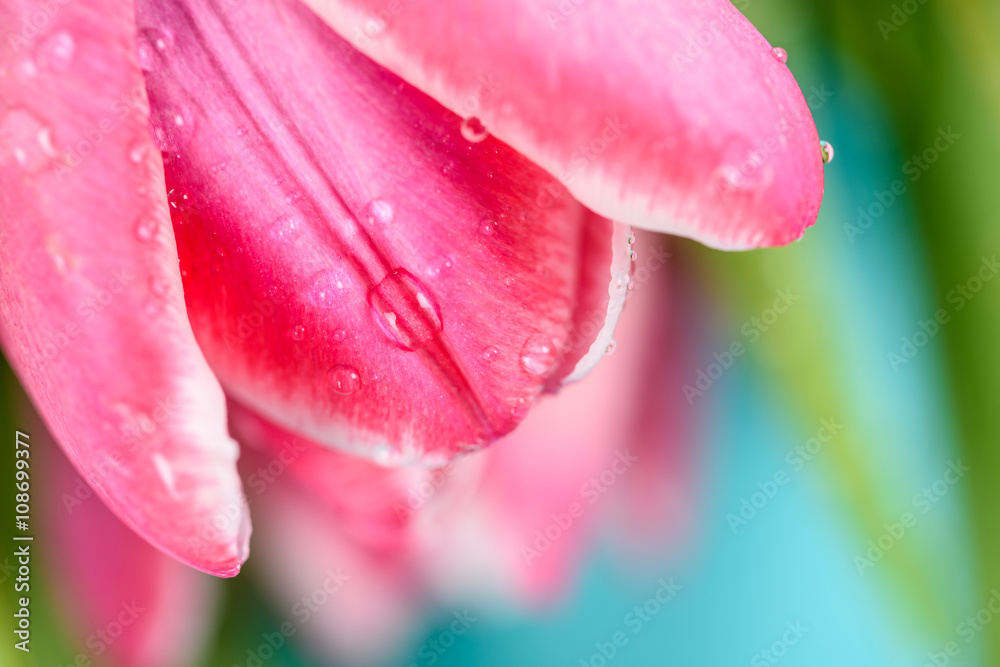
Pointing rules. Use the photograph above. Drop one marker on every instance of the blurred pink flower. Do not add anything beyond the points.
(394, 262)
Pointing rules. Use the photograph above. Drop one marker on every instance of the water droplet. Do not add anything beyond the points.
(473, 130)
(159, 285)
(379, 211)
(145, 228)
(298, 332)
(151, 46)
(612, 346)
(285, 228)
(345, 380)
(539, 355)
(827, 150)
(491, 353)
(508, 281)
(631, 238)
(137, 152)
(173, 127)
(153, 307)
(780, 54)
(487, 227)
(26, 139)
(374, 27)
(633, 255)
(58, 253)
(179, 201)
(405, 310)
(340, 335)
(56, 51)
(329, 287)
(293, 197)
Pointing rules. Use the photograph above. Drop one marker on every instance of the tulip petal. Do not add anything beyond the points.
(558, 467)
(151, 610)
(92, 313)
(674, 116)
(361, 606)
(369, 277)
(374, 505)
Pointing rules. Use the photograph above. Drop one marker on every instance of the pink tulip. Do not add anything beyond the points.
(394, 262)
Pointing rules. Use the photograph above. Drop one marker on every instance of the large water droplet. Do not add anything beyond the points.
(151, 46)
(405, 310)
(26, 139)
(298, 332)
(612, 346)
(56, 51)
(340, 335)
(487, 227)
(826, 149)
(473, 130)
(780, 54)
(345, 380)
(539, 355)
(379, 211)
(491, 353)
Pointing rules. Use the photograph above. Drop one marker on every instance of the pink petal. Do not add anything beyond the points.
(364, 275)
(92, 313)
(130, 603)
(374, 505)
(536, 474)
(674, 116)
(350, 604)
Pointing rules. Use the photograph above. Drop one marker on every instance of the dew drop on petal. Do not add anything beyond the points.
(285, 228)
(26, 140)
(137, 151)
(633, 255)
(379, 211)
(145, 228)
(374, 27)
(473, 130)
(345, 380)
(298, 332)
(173, 127)
(539, 355)
(487, 227)
(780, 54)
(405, 310)
(152, 45)
(826, 149)
(179, 201)
(159, 285)
(56, 51)
(491, 353)
(612, 346)
(340, 335)
(329, 287)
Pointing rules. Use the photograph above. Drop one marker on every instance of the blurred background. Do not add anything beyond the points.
(790, 457)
